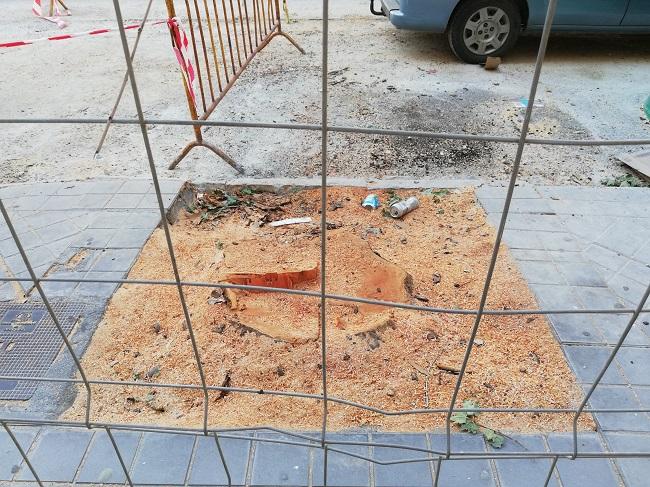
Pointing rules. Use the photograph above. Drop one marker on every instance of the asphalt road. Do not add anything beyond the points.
(591, 87)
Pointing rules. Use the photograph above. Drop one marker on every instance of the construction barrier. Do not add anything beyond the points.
(224, 36)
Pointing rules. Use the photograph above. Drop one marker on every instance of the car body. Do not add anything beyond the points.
(618, 16)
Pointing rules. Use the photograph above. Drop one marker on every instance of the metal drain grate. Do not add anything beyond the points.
(29, 343)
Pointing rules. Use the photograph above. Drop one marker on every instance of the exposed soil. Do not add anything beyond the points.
(387, 358)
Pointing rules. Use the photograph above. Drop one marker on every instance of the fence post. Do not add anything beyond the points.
(171, 13)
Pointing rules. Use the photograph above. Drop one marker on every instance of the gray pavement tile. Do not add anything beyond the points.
(588, 228)
(560, 241)
(343, 470)
(522, 239)
(46, 457)
(553, 296)
(115, 260)
(520, 192)
(129, 238)
(560, 256)
(150, 201)
(140, 186)
(587, 361)
(586, 471)
(26, 203)
(124, 200)
(541, 272)
(170, 185)
(37, 257)
(535, 469)
(110, 219)
(598, 298)
(612, 326)
(634, 269)
(279, 463)
(412, 474)
(44, 218)
(97, 238)
(207, 468)
(24, 189)
(531, 254)
(101, 464)
(8, 247)
(69, 202)
(618, 397)
(530, 206)
(61, 246)
(463, 473)
(148, 219)
(635, 471)
(14, 191)
(576, 328)
(162, 459)
(527, 221)
(94, 201)
(58, 231)
(643, 393)
(75, 187)
(607, 258)
(643, 254)
(61, 289)
(10, 458)
(7, 292)
(624, 238)
(29, 240)
(107, 186)
(102, 290)
(627, 289)
(635, 362)
(582, 274)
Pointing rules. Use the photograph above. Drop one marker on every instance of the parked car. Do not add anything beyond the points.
(476, 29)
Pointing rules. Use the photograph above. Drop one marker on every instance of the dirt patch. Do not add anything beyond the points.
(387, 358)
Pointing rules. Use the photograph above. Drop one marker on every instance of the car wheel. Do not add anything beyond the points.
(482, 28)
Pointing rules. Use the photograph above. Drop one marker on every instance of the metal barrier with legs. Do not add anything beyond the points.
(224, 36)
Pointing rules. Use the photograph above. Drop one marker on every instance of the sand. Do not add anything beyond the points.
(387, 358)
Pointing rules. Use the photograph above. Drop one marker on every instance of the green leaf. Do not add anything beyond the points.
(492, 437)
(459, 418)
(470, 427)
(470, 404)
(231, 200)
(247, 191)
(191, 208)
(204, 217)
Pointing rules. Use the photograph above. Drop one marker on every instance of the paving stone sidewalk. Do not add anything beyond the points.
(578, 248)
(110, 218)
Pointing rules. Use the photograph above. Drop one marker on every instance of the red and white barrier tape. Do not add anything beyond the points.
(180, 45)
(76, 34)
(38, 11)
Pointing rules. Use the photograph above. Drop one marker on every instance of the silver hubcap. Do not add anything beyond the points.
(486, 30)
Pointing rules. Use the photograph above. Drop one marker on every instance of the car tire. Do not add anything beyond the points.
(482, 28)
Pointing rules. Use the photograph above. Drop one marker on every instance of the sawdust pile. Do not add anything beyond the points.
(393, 359)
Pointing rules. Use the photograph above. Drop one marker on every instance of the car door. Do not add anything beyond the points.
(581, 12)
(638, 13)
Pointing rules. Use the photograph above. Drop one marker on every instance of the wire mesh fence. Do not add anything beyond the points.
(324, 441)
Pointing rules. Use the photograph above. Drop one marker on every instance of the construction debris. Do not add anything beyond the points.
(492, 63)
(639, 161)
(290, 221)
(401, 208)
(371, 202)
